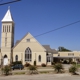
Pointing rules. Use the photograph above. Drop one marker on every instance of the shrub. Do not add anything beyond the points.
(65, 62)
(32, 69)
(58, 67)
(73, 63)
(27, 64)
(73, 69)
(43, 65)
(6, 70)
(34, 63)
(17, 62)
(70, 60)
(52, 63)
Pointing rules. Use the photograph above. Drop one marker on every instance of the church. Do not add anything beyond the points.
(28, 49)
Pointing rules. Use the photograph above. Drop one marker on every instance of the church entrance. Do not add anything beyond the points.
(5, 60)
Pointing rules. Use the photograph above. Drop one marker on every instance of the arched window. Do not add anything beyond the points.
(28, 54)
(16, 58)
(39, 58)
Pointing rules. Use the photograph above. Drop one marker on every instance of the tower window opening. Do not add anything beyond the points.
(7, 28)
(3, 28)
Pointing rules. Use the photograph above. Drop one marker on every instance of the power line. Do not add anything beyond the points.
(54, 30)
(57, 28)
(9, 2)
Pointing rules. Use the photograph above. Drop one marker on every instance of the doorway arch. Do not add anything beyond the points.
(5, 60)
(5, 56)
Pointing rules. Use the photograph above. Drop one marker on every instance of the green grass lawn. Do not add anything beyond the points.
(77, 65)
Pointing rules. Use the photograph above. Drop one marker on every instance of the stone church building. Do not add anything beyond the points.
(28, 49)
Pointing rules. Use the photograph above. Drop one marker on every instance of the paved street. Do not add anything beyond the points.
(42, 77)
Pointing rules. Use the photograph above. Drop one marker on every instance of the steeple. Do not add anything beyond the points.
(8, 16)
(7, 36)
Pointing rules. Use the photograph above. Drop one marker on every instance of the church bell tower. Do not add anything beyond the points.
(7, 36)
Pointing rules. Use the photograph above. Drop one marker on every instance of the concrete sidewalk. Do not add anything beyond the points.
(66, 76)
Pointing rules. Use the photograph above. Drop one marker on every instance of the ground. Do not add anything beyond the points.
(42, 77)
(46, 76)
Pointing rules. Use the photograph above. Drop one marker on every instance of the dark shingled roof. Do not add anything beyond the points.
(48, 49)
(17, 42)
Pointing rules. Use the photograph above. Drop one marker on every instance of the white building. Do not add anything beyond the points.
(28, 49)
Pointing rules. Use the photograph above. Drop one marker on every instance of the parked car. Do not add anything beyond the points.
(17, 66)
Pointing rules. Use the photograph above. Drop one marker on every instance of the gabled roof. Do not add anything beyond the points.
(23, 38)
(17, 42)
(20, 41)
(55, 51)
(48, 49)
(7, 17)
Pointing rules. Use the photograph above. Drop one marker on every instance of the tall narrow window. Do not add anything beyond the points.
(16, 58)
(9, 28)
(3, 28)
(5, 39)
(39, 58)
(28, 54)
(48, 59)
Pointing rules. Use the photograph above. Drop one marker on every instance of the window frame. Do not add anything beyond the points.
(39, 58)
(48, 59)
(28, 40)
(70, 54)
(28, 54)
(16, 58)
(3, 28)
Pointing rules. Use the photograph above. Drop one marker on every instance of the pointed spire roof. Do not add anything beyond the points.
(8, 16)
